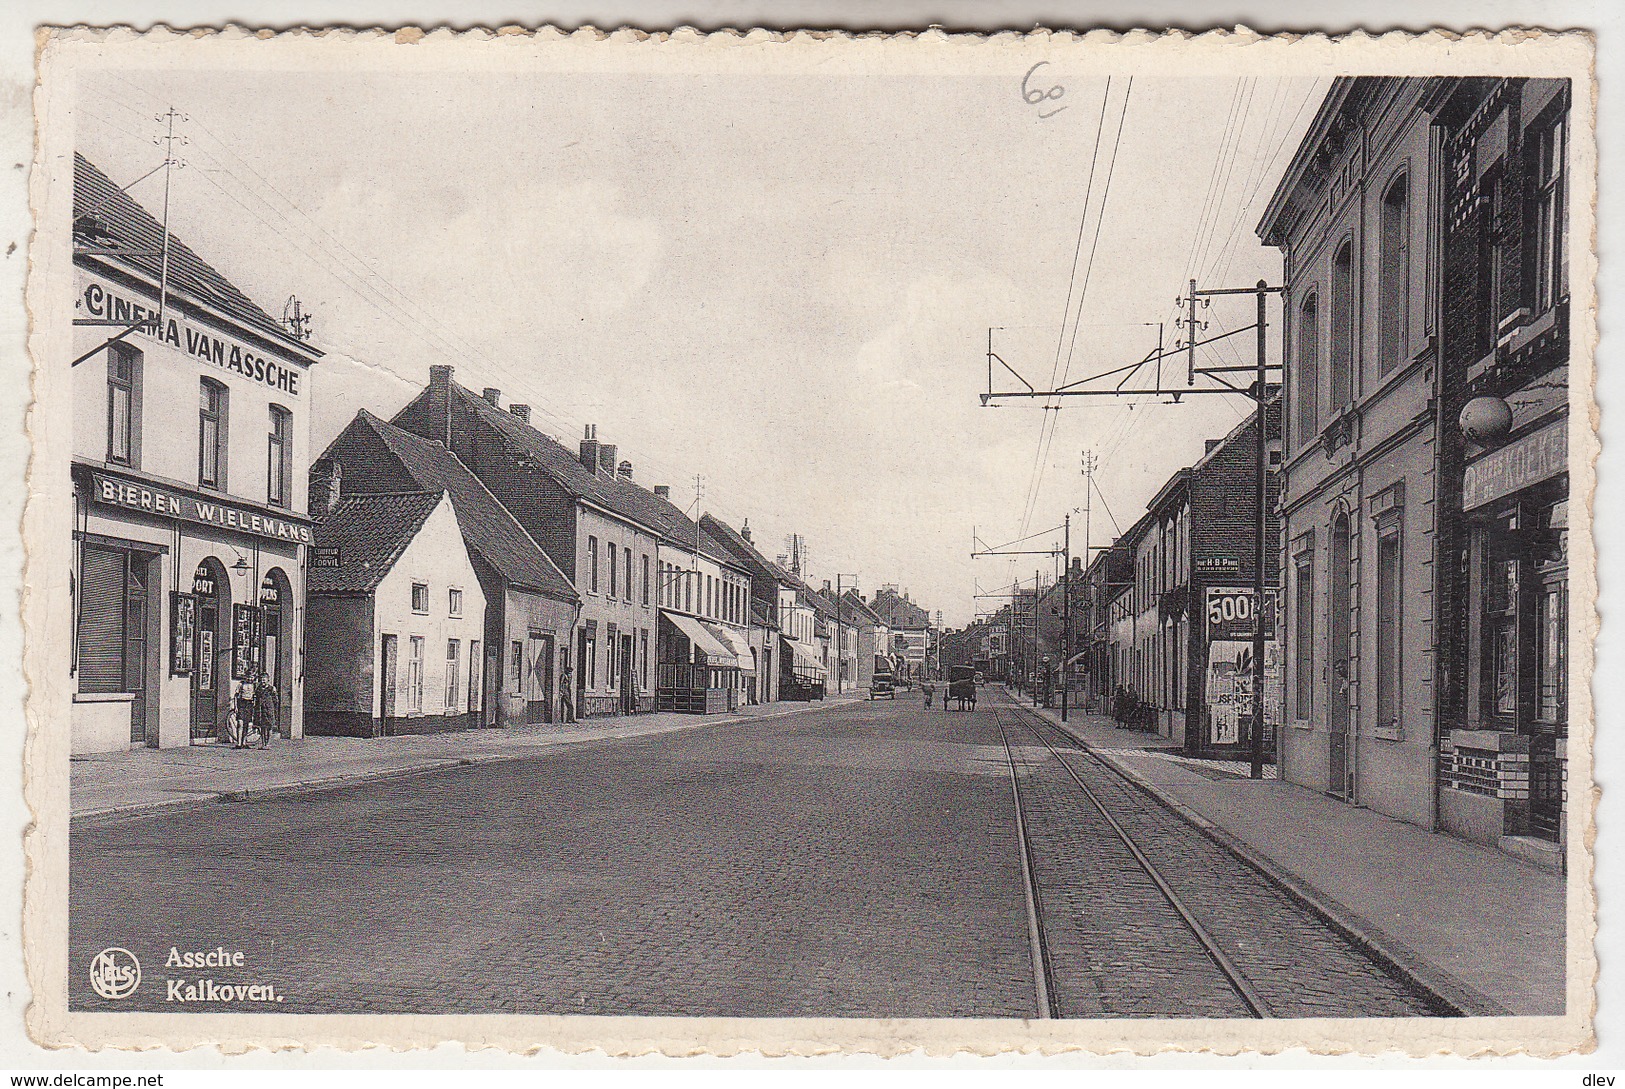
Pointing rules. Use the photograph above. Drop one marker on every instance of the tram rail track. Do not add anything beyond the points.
(1264, 981)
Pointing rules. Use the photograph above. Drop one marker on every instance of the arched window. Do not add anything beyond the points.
(1307, 387)
(1394, 277)
(213, 419)
(1342, 315)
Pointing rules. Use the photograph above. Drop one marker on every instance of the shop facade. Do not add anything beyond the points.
(190, 426)
(1505, 431)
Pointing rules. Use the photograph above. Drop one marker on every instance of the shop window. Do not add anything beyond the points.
(123, 404)
(454, 602)
(106, 576)
(279, 456)
(414, 674)
(1394, 276)
(1550, 213)
(1342, 327)
(611, 644)
(213, 422)
(592, 565)
(1552, 620)
(420, 597)
(590, 666)
(454, 673)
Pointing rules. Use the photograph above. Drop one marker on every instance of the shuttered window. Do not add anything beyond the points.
(101, 620)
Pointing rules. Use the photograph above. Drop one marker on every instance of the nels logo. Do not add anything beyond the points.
(115, 973)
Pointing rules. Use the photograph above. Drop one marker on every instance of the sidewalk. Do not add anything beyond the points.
(1481, 927)
(110, 785)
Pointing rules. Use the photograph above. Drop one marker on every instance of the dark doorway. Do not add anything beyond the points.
(210, 688)
(539, 679)
(388, 664)
(1339, 571)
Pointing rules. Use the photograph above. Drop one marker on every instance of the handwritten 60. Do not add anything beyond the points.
(1034, 96)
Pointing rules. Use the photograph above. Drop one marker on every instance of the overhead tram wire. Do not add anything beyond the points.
(1045, 426)
(1100, 215)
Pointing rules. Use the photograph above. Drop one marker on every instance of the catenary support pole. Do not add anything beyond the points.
(1260, 395)
(1066, 615)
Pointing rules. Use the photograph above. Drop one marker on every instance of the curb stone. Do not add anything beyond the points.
(1392, 954)
(118, 814)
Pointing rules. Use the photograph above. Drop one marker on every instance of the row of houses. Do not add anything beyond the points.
(1417, 621)
(450, 566)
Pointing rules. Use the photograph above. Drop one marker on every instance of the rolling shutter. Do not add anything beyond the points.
(101, 621)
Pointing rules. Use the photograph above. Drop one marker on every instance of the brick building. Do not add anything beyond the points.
(1504, 477)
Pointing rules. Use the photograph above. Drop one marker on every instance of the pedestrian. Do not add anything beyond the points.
(240, 719)
(930, 690)
(567, 711)
(267, 709)
(1119, 705)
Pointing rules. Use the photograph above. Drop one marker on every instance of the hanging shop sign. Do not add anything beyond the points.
(1516, 466)
(245, 641)
(326, 558)
(101, 305)
(174, 503)
(182, 633)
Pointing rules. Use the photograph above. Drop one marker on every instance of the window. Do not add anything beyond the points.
(1307, 386)
(112, 630)
(1303, 636)
(1389, 666)
(123, 404)
(612, 583)
(627, 555)
(592, 565)
(211, 435)
(414, 675)
(1495, 240)
(279, 456)
(688, 592)
(454, 602)
(420, 597)
(1342, 361)
(1550, 214)
(454, 674)
(1394, 277)
(516, 668)
(646, 580)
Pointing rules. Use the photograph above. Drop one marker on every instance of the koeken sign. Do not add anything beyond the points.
(1516, 465)
(151, 500)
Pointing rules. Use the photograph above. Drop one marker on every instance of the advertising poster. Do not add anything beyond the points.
(182, 633)
(1228, 686)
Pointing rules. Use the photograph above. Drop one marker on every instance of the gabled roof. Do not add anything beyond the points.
(613, 493)
(860, 608)
(733, 544)
(370, 532)
(108, 218)
(488, 529)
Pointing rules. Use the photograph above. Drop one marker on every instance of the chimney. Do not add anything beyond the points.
(492, 395)
(589, 449)
(520, 412)
(606, 459)
(440, 400)
(663, 491)
(826, 587)
(745, 531)
(1207, 447)
(440, 378)
(624, 471)
(326, 487)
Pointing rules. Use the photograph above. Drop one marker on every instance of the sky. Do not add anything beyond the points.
(781, 284)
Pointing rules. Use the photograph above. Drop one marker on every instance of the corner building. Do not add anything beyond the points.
(190, 452)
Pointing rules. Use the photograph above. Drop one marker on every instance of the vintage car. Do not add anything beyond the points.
(882, 688)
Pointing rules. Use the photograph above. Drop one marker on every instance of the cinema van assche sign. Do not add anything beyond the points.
(188, 508)
(103, 305)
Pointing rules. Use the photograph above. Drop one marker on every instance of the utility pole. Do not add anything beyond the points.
(1066, 617)
(1094, 386)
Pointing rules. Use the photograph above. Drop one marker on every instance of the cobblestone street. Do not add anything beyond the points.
(857, 860)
